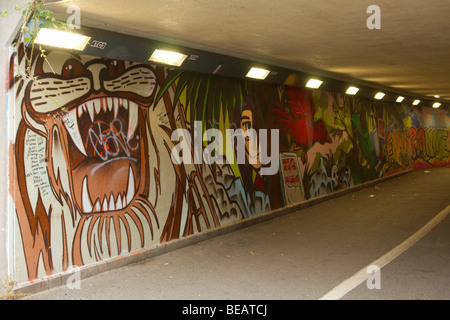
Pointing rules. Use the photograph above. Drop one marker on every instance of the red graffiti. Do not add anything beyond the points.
(289, 164)
(290, 170)
(297, 119)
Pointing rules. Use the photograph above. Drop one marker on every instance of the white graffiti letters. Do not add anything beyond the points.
(109, 141)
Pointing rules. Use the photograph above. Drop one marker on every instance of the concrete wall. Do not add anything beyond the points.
(4, 166)
(9, 26)
(93, 171)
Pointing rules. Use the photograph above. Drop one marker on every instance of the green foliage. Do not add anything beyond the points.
(33, 13)
(206, 96)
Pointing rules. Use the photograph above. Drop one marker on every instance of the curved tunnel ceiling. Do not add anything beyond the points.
(410, 52)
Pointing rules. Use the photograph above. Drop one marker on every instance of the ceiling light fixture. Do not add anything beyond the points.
(400, 99)
(61, 39)
(436, 105)
(168, 57)
(379, 95)
(258, 73)
(416, 102)
(314, 83)
(352, 90)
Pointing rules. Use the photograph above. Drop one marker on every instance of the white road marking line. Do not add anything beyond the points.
(346, 286)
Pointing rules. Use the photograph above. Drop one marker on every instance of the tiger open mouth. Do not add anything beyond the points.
(106, 156)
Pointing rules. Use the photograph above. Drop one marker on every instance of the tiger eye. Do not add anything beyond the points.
(72, 68)
(115, 68)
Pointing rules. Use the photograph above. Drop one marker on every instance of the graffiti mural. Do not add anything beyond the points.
(344, 140)
(416, 147)
(93, 177)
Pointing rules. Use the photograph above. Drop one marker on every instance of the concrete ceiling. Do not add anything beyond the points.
(411, 51)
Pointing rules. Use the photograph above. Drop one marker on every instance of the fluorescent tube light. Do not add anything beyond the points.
(168, 57)
(416, 102)
(352, 90)
(61, 39)
(258, 73)
(314, 83)
(379, 96)
(436, 105)
(400, 99)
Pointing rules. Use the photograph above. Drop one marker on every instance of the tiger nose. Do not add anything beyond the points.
(95, 69)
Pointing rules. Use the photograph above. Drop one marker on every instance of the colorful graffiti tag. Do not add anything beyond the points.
(91, 170)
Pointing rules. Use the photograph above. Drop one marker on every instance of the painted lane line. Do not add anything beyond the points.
(359, 277)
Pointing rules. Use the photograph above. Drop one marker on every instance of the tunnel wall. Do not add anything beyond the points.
(97, 171)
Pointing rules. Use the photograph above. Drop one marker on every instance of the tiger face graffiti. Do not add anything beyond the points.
(100, 127)
(93, 117)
